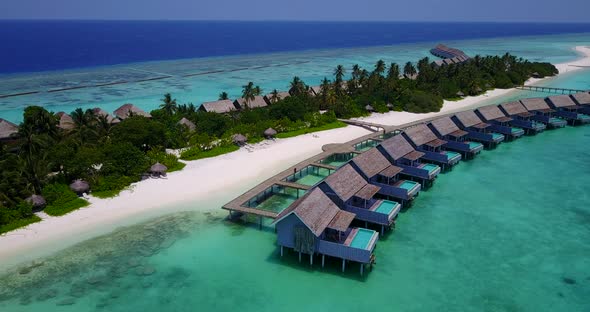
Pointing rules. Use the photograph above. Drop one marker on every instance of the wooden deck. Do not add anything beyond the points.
(550, 89)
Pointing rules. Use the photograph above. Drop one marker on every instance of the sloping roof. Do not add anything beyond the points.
(391, 171)
(189, 124)
(101, 112)
(413, 155)
(444, 125)
(534, 103)
(221, 106)
(371, 162)
(280, 95)
(258, 101)
(491, 112)
(315, 90)
(341, 221)
(420, 134)
(504, 119)
(526, 114)
(468, 118)
(436, 143)
(65, 121)
(458, 133)
(346, 182)
(315, 209)
(513, 108)
(481, 125)
(397, 147)
(7, 129)
(367, 192)
(563, 100)
(582, 98)
(125, 110)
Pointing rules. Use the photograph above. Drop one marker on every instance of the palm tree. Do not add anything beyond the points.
(248, 92)
(32, 152)
(298, 87)
(379, 67)
(339, 73)
(356, 71)
(409, 70)
(169, 104)
(257, 90)
(274, 96)
(84, 122)
(103, 127)
(393, 72)
(325, 89)
(223, 96)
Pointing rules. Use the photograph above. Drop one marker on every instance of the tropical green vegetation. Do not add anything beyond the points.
(46, 158)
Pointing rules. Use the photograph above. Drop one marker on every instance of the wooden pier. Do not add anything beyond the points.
(550, 89)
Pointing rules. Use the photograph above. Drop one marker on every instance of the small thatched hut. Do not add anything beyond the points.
(8, 130)
(80, 187)
(37, 201)
(158, 170)
(187, 123)
(128, 110)
(239, 139)
(99, 112)
(65, 121)
(220, 107)
(461, 94)
(389, 106)
(270, 133)
(369, 108)
(257, 102)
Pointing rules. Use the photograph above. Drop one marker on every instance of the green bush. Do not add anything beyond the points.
(61, 200)
(16, 224)
(110, 186)
(60, 209)
(195, 153)
(333, 125)
(422, 102)
(168, 160)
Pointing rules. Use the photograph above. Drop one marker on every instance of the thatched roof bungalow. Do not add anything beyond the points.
(188, 124)
(65, 121)
(80, 187)
(424, 140)
(499, 122)
(99, 112)
(220, 107)
(568, 109)
(257, 102)
(158, 170)
(280, 96)
(522, 117)
(128, 110)
(37, 201)
(8, 130)
(239, 139)
(270, 133)
(581, 98)
(478, 130)
(315, 90)
(457, 139)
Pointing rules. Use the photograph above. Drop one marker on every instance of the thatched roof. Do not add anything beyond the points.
(37, 201)
(239, 139)
(526, 114)
(491, 112)
(341, 221)
(158, 168)
(345, 182)
(80, 186)
(468, 118)
(397, 147)
(65, 121)
(460, 93)
(369, 108)
(413, 155)
(99, 112)
(280, 96)
(439, 63)
(533, 104)
(436, 143)
(367, 192)
(220, 107)
(391, 171)
(582, 98)
(371, 162)
(129, 109)
(513, 108)
(504, 119)
(420, 134)
(315, 90)
(389, 105)
(458, 133)
(7, 129)
(444, 125)
(448, 61)
(187, 123)
(270, 132)
(317, 211)
(563, 100)
(258, 101)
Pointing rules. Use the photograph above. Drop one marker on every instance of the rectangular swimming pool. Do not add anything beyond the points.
(408, 185)
(362, 238)
(366, 145)
(386, 207)
(451, 155)
(497, 136)
(337, 160)
(309, 175)
(474, 145)
(430, 167)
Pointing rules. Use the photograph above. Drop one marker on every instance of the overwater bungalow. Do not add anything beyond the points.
(499, 122)
(424, 140)
(477, 129)
(257, 102)
(582, 99)
(220, 107)
(65, 121)
(128, 110)
(522, 117)
(566, 108)
(456, 139)
(8, 130)
(400, 153)
(378, 171)
(270, 98)
(352, 193)
(315, 225)
(542, 112)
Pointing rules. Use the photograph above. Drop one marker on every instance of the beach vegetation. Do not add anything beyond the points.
(61, 200)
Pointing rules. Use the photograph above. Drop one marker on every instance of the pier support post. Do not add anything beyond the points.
(311, 258)
(362, 267)
(382, 229)
(260, 222)
(323, 258)
(300, 256)
(281, 251)
(343, 264)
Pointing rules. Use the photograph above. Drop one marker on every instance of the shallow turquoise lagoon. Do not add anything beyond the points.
(362, 238)
(508, 231)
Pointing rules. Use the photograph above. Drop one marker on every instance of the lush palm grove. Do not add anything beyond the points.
(45, 159)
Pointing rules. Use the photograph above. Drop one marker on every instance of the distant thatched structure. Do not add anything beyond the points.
(80, 186)
(128, 110)
(65, 121)
(369, 108)
(270, 133)
(187, 123)
(257, 102)
(221, 106)
(389, 106)
(461, 94)
(270, 98)
(99, 112)
(37, 201)
(8, 130)
(239, 139)
(158, 169)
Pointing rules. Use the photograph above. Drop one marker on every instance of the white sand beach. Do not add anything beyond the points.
(204, 184)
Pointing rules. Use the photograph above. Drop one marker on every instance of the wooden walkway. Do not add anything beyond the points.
(550, 89)
(367, 125)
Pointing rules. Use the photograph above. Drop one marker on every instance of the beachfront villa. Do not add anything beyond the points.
(566, 108)
(65, 121)
(400, 153)
(220, 107)
(270, 98)
(477, 129)
(456, 139)
(521, 117)
(257, 102)
(378, 171)
(542, 112)
(424, 140)
(315, 225)
(499, 122)
(347, 188)
(8, 130)
(128, 110)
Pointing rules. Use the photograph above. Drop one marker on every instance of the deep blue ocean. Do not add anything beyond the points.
(31, 46)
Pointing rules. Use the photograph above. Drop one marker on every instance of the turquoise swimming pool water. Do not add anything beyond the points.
(313, 176)
(386, 207)
(516, 130)
(279, 202)
(408, 185)
(366, 145)
(430, 167)
(362, 238)
(451, 154)
(497, 136)
(473, 145)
